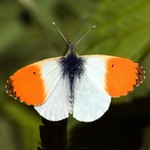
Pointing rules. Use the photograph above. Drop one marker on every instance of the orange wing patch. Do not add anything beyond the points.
(27, 85)
(122, 76)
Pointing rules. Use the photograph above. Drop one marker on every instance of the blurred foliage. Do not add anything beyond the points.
(27, 35)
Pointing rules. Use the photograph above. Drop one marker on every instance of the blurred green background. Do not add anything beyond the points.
(27, 35)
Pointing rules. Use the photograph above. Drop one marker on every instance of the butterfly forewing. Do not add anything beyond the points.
(121, 75)
(28, 84)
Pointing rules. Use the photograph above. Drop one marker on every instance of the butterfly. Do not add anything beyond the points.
(73, 84)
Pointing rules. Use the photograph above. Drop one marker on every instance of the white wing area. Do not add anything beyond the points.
(55, 107)
(91, 100)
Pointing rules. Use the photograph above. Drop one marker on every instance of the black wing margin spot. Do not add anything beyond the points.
(10, 89)
(141, 76)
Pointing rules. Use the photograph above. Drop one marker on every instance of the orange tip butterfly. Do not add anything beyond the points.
(73, 84)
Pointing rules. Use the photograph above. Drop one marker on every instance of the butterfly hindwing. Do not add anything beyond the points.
(56, 106)
(90, 101)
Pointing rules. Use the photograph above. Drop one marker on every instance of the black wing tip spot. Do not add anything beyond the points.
(140, 76)
(10, 89)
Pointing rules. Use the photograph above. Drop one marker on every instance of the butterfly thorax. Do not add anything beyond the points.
(72, 67)
(70, 49)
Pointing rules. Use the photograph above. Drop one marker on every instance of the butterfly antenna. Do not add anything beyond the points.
(85, 35)
(60, 33)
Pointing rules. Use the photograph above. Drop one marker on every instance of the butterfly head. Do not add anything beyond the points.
(70, 49)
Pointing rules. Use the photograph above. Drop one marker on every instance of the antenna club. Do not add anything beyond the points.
(67, 40)
(85, 35)
(60, 33)
(93, 27)
(54, 23)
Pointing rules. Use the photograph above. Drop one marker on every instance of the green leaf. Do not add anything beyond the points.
(123, 28)
(27, 121)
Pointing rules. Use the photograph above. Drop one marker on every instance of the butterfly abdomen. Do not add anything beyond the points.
(72, 67)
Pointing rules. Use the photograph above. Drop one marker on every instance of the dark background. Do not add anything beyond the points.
(27, 35)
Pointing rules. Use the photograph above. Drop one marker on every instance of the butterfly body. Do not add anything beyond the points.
(72, 67)
(80, 85)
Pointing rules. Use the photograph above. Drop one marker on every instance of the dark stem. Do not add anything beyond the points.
(53, 135)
